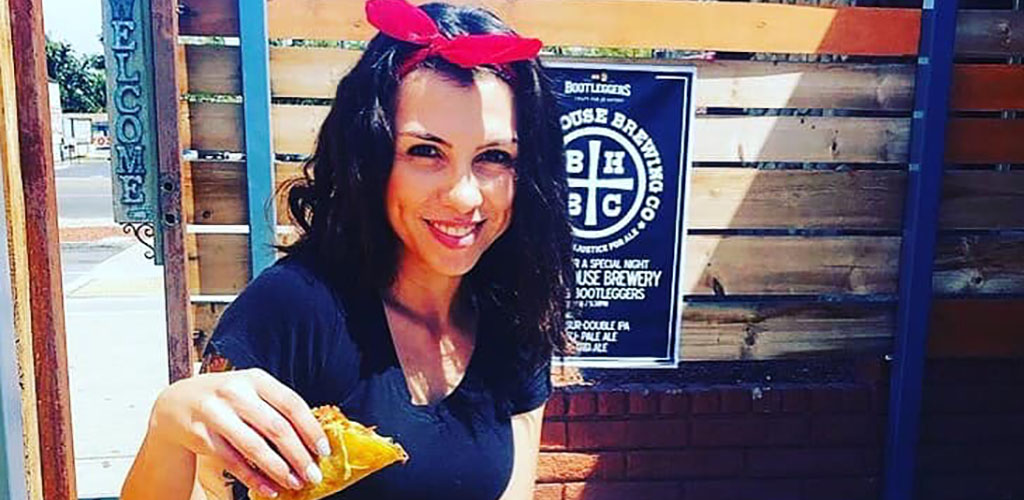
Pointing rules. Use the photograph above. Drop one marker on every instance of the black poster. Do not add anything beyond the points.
(626, 132)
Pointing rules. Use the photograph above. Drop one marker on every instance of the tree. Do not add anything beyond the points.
(82, 78)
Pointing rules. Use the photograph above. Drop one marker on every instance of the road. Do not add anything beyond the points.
(116, 340)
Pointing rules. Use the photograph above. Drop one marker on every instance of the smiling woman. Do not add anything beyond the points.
(427, 291)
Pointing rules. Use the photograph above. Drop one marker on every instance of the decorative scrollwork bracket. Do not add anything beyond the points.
(145, 233)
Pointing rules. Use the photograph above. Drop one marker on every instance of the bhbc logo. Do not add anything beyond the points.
(615, 178)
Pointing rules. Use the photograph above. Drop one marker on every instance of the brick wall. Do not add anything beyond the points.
(717, 442)
(789, 441)
(972, 431)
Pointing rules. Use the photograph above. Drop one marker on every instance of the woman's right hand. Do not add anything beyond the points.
(233, 418)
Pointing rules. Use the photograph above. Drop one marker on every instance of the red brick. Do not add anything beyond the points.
(580, 404)
(843, 429)
(743, 489)
(704, 401)
(683, 464)
(643, 403)
(556, 405)
(749, 431)
(816, 461)
(552, 436)
(842, 488)
(795, 399)
(548, 491)
(562, 467)
(623, 491)
(656, 433)
(611, 403)
(766, 400)
(674, 403)
(597, 435)
(827, 399)
(735, 400)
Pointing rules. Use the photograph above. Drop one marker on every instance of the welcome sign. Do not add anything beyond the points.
(626, 133)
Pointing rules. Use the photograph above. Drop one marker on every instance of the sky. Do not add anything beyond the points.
(77, 22)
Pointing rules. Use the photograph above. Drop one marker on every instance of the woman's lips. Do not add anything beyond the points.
(454, 235)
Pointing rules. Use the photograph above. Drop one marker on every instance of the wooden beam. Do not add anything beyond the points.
(982, 200)
(21, 419)
(47, 298)
(166, 106)
(985, 140)
(972, 328)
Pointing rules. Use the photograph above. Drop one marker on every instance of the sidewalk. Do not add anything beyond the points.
(117, 365)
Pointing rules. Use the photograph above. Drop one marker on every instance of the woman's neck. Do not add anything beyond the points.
(425, 296)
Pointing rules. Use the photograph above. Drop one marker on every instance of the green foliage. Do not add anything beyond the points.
(82, 78)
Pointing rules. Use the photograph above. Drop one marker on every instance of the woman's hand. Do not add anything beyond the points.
(261, 431)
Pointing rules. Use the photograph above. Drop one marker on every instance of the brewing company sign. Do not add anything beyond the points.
(626, 131)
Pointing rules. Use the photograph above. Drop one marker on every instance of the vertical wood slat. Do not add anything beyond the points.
(259, 151)
(19, 429)
(171, 218)
(920, 231)
(47, 298)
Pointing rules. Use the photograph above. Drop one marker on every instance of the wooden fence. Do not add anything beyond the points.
(796, 210)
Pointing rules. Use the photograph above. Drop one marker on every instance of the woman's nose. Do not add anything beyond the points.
(465, 195)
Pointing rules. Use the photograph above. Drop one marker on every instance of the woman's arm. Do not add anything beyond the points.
(526, 445)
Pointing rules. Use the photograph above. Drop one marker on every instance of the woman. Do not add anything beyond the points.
(425, 296)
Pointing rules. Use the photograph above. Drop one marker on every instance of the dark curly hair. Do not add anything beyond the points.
(339, 202)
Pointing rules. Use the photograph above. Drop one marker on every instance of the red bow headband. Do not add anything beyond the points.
(408, 23)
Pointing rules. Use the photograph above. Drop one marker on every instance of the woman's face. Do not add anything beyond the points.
(452, 183)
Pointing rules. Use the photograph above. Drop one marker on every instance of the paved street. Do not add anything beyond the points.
(114, 313)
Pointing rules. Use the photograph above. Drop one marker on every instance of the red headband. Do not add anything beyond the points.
(402, 21)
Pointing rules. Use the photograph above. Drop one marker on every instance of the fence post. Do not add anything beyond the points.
(259, 154)
(917, 255)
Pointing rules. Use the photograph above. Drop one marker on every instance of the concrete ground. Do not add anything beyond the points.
(114, 315)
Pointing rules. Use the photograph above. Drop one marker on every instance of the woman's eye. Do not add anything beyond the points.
(497, 156)
(424, 150)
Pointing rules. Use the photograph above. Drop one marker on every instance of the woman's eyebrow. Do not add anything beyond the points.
(426, 137)
(500, 142)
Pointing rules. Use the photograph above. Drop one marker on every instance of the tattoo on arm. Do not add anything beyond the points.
(214, 362)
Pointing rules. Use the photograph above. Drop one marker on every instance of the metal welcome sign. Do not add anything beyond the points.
(626, 134)
(126, 37)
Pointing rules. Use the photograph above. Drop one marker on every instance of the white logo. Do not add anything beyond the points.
(615, 177)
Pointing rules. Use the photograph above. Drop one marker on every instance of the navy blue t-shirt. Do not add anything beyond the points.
(335, 347)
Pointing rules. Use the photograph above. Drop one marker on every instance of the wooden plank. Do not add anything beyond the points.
(26, 469)
(726, 331)
(209, 17)
(650, 23)
(314, 72)
(717, 138)
(731, 265)
(982, 200)
(990, 32)
(213, 69)
(47, 299)
(721, 198)
(979, 265)
(747, 265)
(979, 32)
(166, 107)
(985, 140)
(971, 328)
(222, 263)
(988, 87)
(216, 126)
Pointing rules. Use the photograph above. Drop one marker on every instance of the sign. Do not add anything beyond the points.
(133, 155)
(626, 133)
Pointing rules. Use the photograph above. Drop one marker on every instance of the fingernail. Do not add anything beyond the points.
(267, 491)
(323, 447)
(313, 474)
(294, 482)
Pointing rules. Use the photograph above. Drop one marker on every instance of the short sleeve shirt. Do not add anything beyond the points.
(335, 348)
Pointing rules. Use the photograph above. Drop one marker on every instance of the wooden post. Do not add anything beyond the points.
(19, 426)
(166, 104)
(47, 298)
